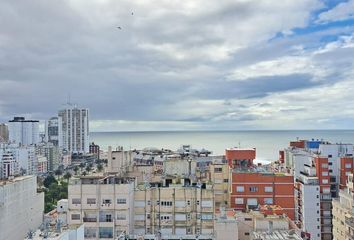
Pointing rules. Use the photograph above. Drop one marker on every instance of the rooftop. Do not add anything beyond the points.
(14, 180)
(276, 235)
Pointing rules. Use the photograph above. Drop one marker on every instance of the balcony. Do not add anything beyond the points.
(349, 221)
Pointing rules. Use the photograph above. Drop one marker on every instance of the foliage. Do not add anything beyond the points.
(49, 180)
(99, 167)
(58, 172)
(76, 169)
(88, 168)
(53, 193)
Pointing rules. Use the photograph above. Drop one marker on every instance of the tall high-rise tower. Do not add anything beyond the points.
(74, 127)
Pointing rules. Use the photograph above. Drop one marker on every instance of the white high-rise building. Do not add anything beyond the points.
(23, 132)
(74, 125)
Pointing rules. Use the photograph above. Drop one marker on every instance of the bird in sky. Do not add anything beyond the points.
(119, 28)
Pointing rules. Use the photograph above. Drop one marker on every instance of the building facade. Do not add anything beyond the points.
(104, 204)
(23, 132)
(4, 132)
(53, 131)
(74, 129)
(343, 213)
(21, 207)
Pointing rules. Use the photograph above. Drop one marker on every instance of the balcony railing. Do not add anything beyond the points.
(90, 219)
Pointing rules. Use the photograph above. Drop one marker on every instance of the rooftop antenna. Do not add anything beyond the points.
(69, 99)
(239, 144)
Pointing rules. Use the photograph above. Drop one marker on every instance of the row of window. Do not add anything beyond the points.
(253, 201)
(93, 201)
(104, 218)
(268, 189)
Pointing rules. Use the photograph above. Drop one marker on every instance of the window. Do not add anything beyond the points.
(91, 201)
(253, 189)
(76, 201)
(226, 180)
(324, 174)
(247, 233)
(166, 203)
(325, 181)
(268, 189)
(75, 216)
(252, 202)
(330, 163)
(217, 170)
(238, 200)
(121, 216)
(197, 202)
(348, 165)
(240, 188)
(248, 219)
(108, 218)
(347, 173)
(121, 201)
(106, 201)
(188, 202)
(324, 165)
(330, 155)
(106, 232)
(268, 201)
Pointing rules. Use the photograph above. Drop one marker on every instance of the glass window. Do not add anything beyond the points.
(91, 201)
(268, 201)
(239, 200)
(76, 201)
(75, 216)
(268, 189)
(253, 189)
(121, 201)
(106, 232)
(240, 188)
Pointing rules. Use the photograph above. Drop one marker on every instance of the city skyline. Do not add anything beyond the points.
(180, 65)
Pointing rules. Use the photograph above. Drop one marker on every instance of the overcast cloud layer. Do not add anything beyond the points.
(180, 65)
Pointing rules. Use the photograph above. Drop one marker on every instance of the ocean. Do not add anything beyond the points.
(267, 143)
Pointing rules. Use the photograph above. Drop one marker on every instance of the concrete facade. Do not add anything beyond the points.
(21, 207)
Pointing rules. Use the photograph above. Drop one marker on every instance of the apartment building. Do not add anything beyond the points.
(320, 169)
(254, 186)
(240, 157)
(343, 215)
(268, 222)
(4, 132)
(219, 176)
(174, 210)
(95, 150)
(21, 207)
(105, 204)
(74, 129)
(53, 131)
(23, 132)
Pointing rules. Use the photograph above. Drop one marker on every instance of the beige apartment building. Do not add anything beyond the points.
(103, 204)
(174, 210)
(219, 177)
(343, 214)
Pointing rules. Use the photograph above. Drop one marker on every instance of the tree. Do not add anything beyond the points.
(67, 176)
(88, 169)
(58, 172)
(84, 173)
(99, 167)
(49, 180)
(82, 165)
(76, 169)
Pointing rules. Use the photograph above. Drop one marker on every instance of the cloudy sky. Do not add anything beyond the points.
(180, 65)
